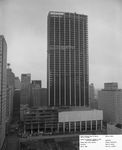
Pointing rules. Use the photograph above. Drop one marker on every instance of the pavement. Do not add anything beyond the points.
(12, 142)
(12, 139)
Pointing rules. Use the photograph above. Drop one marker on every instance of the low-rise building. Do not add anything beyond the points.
(61, 120)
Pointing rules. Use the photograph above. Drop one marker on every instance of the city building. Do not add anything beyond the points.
(25, 89)
(67, 59)
(10, 94)
(36, 83)
(55, 120)
(23, 110)
(43, 97)
(3, 90)
(16, 100)
(35, 93)
(10, 78)
(111, 86)
(93, 101)
(9, 106)
(114, 128)
(110, 101)
(91, 92)
(16, 104)
(38, 94)
(17, 83)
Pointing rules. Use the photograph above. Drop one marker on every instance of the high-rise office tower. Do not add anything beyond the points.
(25, 89)
(67, 59)
(110, 101)
(3, 60)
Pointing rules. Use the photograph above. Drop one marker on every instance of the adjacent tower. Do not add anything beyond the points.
(67, 59)
(110, 101)
(3, 88)
(25, 89)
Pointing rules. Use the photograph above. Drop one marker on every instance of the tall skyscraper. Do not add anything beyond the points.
(25, 89)
(110, 101)
(3, 60)
(67, 59)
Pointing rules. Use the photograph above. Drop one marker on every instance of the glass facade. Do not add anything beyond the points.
(67, 60)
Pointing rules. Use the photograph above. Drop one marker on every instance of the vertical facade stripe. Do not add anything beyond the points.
(79, 60)
(59, 65)
(74, 64)
(84, 65)
(54, 60)
(64, 63)
(70, 59)
(48, 64)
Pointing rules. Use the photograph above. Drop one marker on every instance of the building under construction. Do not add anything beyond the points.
(61, 120)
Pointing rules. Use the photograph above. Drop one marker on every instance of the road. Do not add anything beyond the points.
(12, 142)
(42, 137)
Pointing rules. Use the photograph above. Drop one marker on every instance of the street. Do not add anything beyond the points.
(12, 142)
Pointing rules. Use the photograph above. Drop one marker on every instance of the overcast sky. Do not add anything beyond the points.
(24, 25)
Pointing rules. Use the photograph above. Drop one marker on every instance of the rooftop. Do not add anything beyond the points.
(60, 109)
(62, 13)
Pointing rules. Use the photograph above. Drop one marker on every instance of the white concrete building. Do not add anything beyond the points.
(110, 101)
(3, 92)
(80, 120)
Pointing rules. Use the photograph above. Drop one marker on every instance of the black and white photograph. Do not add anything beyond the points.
(60, 74)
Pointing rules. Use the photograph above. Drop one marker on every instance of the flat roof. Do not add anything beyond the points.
(61, 108)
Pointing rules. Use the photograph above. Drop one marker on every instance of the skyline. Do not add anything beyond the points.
(25, 29)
